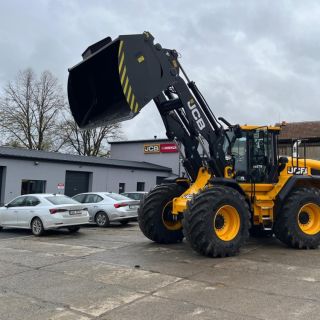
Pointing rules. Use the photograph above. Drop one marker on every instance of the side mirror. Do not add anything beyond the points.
(282, 163)
(283, 160)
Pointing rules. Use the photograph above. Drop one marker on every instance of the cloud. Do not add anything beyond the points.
(254, 62)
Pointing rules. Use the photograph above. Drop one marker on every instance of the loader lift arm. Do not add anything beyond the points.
(185, 113)
(189, 121)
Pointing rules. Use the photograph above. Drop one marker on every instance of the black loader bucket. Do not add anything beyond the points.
(116, 80)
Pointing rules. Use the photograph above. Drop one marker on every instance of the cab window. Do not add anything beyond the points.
(239, 152)
(262, 158)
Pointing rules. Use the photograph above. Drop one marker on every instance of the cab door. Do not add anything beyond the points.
(261, 156)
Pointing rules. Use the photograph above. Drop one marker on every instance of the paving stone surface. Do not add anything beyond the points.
(116, 273)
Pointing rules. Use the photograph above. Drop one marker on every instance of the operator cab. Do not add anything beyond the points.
(253, 151)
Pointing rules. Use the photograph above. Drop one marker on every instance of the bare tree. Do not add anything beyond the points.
(91, 142)
(29, 111)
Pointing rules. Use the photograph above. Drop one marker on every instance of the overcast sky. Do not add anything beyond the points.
(256, 62)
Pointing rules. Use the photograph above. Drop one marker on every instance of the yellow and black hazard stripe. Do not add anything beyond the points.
(125, 83)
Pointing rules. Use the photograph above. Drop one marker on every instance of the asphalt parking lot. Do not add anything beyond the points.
(116, 273)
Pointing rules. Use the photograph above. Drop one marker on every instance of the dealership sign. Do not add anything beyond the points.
(160, 148)
(168, 147)
(152, 148)
(60, 186)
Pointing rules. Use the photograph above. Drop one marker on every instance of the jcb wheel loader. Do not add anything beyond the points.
(236, 181)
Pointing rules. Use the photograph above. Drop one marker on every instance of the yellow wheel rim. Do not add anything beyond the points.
(309, 218)
(226, 223)
(169, 224)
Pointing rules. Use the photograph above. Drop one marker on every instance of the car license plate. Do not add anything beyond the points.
(133, 207)
(74, 212)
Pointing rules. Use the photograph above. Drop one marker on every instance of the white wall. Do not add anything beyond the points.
(103, 178)
(135, 152)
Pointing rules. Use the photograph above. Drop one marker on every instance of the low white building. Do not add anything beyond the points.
(29, 171)
(162, 152)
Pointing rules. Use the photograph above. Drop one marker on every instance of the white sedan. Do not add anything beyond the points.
(40, 212)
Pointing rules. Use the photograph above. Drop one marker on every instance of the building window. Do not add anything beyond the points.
(33, 186)
(159, 179)
(140, 186)
(122, 187)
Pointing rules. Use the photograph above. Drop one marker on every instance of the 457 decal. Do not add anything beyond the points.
(297, 170)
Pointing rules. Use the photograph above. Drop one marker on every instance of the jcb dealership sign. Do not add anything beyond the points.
(152, 148)
(160, 148)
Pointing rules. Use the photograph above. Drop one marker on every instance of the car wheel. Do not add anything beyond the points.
(37, 227)
(1, 228)
(124, 222)
(102, 219)
(73, 229)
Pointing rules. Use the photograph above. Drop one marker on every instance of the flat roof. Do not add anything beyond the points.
(141, 141)
(255, 127)
(37, 155)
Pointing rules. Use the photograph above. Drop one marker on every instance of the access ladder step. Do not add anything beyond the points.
(267, 223)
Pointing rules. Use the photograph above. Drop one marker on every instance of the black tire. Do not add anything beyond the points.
(1, 228)
(204, 219)
(124, 222)
(37, 227)
(259, 232)
(102, 219)
(287, 227)
(150, 214)
(73, 229)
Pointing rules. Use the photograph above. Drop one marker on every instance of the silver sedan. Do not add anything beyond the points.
(106, 207)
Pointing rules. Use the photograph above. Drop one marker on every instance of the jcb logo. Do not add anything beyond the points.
(196, 114)
(297, 170)
(152, 148)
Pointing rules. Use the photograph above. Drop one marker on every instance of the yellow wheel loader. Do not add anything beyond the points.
(236, 181)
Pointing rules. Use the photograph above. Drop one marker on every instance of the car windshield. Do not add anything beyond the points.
(61, 200)
(116, 196)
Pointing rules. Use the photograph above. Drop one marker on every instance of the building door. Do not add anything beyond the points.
(76, 182)
(122, 187)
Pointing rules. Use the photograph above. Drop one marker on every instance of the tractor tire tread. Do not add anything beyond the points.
(198, 227)
(150, 214)
(286, 228)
